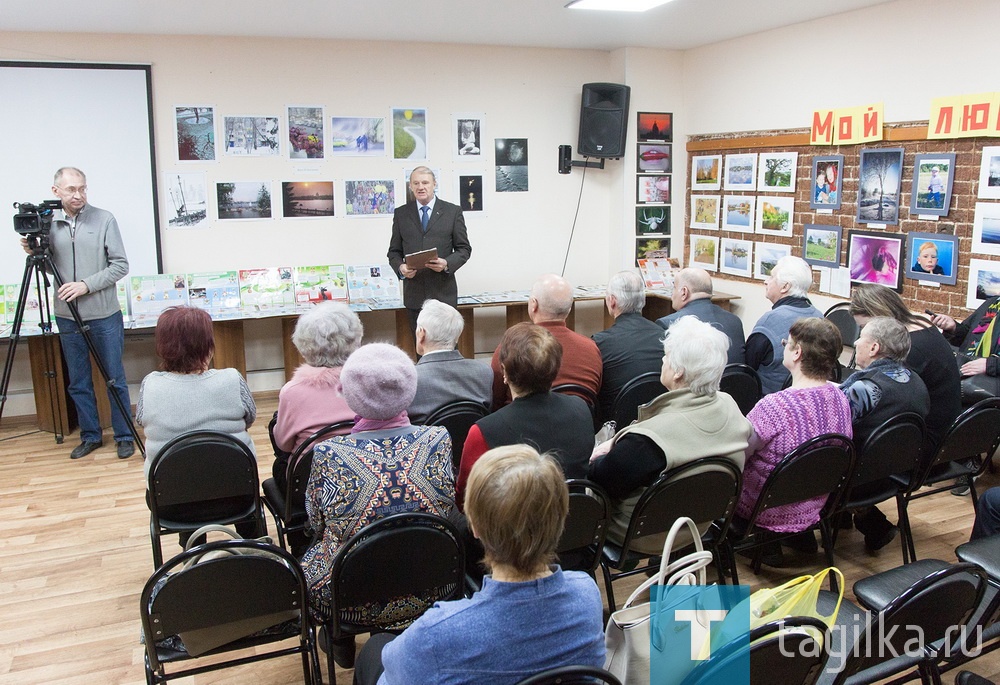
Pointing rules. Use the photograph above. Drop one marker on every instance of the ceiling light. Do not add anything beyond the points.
(616, 5)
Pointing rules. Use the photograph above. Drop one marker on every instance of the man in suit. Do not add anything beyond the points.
(443, 374)
(693, 297)
(632, 346)
(427, 223)
(549, 304)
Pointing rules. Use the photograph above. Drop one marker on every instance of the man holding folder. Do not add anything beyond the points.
(427, 224)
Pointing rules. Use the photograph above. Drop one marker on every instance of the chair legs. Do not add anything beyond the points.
(608, 587)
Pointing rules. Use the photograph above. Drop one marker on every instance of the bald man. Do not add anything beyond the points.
(549, 304)
(693, 297)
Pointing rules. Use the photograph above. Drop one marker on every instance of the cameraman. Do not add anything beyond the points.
(87, 250)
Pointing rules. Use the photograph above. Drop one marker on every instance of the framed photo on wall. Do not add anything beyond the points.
(933, 257)
(738, 213)
(876, 258)
(736, 257)
(654, 126)
(652, 220)
(933, 176)
(652, 189)
(741, 172)
(645, 247)
(766, 255)
(705, 211)
(704, 252)
(777, 172)
(706, 172)
(653, 157)
(774, 215)
(821, 245)
(984, 282)
(986, 228)
(989, 173)
(878, 185)
(826, 189)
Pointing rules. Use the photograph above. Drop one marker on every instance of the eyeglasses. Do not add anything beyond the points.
(73, 190)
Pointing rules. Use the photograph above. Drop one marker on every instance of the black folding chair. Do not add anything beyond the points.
(586, 527)
(584, 393)
(572, 675)
(457, 418)
(637, 392)
(840, 316)
(249, 596)
(742, 383)
(199, 478)
(288, 506)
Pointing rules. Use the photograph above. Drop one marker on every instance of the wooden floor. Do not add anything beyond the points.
(75, 553)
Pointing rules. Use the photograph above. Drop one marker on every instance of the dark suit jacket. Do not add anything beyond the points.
(727, 322)
(446, 377)
(446, 231)
(631, 347)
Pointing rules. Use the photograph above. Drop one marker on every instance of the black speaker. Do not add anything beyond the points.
(603, 120)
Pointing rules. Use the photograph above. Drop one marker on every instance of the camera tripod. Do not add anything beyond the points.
(38, 265)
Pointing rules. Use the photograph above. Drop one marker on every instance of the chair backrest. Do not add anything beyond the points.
(201, 467)
(820, 466)
(415, 555)
(705, 490)
(742, 383)
(586, 526)
(572, 675)
(217, 602)
(791, 651)
(642, 389)
(299, 466)
(270, 433)
(937, 606)
(840, 316)
(457, 418)
(584, 393)
(893, 448)
(974, 433)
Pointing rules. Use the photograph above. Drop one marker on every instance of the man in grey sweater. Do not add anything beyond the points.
(86, 248)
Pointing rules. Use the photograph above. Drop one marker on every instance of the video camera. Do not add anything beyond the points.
(34, 220)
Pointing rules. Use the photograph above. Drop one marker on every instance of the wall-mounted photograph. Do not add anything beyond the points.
(187, 200)
(654, 126)
(775, 214)
(827, 175)
(705, 211)
(876, 258)
(878, 185)
(738, 213)
(409, 133)
(652, 190)
(986, 228)
(704, 252)
(244, 200)
(933, 176)
(766, 255)
(736, 257)
(195, 133)
(821, 245)
(647, 248)
(652, 157)
(933, 257)
(652, 220)
(984, 282)
(776, 172)
(302, 199)
(468, 136)
(251, 136)
(305, 132)
(741, 172)
(357, 136)
(706, 172)
(511, 165)
(470, 193)
(989, 173)
(369, 197)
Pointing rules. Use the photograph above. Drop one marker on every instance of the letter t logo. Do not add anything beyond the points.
(700, 620)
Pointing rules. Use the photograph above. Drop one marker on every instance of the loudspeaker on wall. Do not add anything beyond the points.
(603, 119)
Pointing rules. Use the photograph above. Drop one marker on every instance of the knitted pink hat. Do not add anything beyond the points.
(379, 381)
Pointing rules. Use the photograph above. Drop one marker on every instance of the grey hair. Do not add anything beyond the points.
(698, 351)
(795, 272)
(892, 337)
(441, 322)
(327, 334)
(59, 174)
(629, 291)
(423, 170)
(554, 296)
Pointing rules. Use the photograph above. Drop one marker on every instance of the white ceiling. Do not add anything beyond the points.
(679, 25)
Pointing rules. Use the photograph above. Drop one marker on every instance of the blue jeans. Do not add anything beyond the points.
(108, 335)
(987, 514)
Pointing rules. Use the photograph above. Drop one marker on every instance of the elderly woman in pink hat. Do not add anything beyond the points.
(385, 466)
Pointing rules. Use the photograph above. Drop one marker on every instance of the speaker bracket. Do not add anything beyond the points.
(566, 163)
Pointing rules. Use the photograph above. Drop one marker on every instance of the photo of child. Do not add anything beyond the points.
(927, 260)
(827, 174)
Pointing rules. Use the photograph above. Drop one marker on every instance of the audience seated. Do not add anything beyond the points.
(690, 421)
(883, 388)
(550, 303)
(693, 297)
(978, 341)
(786, 289)
(530, 615)
(385, 466)
(632, 346)
(785, 419)
(987, 514)
(325, 336)
(930, 356)
(187, 395)
(529, 357)
(443, 374)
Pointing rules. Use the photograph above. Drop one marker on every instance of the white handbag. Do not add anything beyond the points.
(628, 634)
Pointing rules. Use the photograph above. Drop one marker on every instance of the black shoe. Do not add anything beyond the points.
(804, 542)
(876, 541)
(961, 488)
(342, 648)
(126, 448)
(771, 554)
(84, 448)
